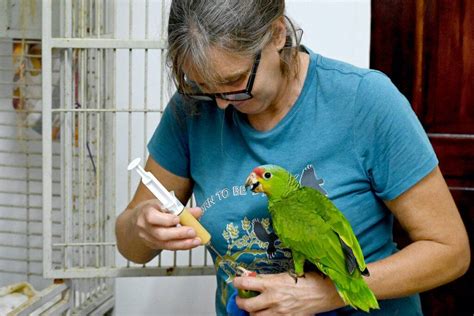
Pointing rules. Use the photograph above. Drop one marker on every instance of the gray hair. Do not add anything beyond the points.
(235, 26)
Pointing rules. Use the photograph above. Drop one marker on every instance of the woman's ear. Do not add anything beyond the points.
(279, 33)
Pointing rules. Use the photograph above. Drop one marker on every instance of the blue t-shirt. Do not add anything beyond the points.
(351, 125)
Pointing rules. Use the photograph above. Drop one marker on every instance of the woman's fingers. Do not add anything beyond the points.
(156, 217)
(158, 228)
(181, 244)
(172, 233)
(175, 238)
(196, 211)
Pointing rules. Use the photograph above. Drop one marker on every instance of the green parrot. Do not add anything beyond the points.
(309, 224)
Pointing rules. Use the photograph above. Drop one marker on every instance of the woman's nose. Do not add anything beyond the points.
(222, 104)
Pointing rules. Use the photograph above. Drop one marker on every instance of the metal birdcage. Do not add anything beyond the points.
(80, 94)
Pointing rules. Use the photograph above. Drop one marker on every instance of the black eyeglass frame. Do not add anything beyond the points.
(244, 94)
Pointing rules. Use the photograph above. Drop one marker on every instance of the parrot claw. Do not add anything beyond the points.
(294, 275)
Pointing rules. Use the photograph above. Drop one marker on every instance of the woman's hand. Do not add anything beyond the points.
(157, 229)
(281, 295)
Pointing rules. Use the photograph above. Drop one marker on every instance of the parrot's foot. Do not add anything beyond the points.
(321, 274)
(295, 275)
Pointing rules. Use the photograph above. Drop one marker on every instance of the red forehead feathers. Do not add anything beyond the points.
(259, 171)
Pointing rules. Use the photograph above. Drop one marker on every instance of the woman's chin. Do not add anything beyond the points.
(243, 107)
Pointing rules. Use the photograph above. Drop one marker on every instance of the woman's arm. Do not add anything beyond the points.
(438, 254)
(143, 229)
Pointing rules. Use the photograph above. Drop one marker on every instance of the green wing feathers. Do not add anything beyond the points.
(308, 223)
(339, 224)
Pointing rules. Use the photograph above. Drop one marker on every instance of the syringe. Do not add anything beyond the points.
(171, 203)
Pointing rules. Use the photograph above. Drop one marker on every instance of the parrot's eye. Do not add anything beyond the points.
(267, 175)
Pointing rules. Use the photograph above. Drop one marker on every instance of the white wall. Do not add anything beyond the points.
(339, 29)
(335, 28)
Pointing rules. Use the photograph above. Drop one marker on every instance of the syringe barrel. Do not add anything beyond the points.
(187, 219)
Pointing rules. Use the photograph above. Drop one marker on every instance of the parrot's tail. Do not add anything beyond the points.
(354, 291)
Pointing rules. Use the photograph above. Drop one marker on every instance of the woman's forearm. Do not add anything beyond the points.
(418, 267)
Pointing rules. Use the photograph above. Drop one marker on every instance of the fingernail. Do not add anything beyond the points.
(176, 220)
(196, 242)
(191, 233)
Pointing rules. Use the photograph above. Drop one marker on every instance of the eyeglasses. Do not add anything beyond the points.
(240, 95)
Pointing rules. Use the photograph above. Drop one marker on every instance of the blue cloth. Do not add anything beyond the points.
(354, 128)
(233, 310)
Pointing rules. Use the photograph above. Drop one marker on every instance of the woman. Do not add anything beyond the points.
(249, 94)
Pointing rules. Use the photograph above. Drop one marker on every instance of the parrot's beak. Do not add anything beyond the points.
(253, 183)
